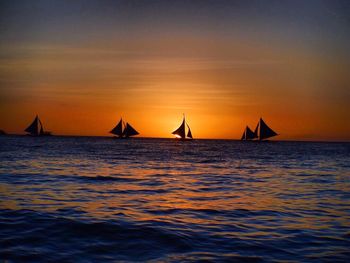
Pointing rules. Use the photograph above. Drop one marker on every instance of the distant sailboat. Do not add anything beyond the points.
(181, 131)
(36, 128)
(122, 130)
(262, 131)
(248, 134)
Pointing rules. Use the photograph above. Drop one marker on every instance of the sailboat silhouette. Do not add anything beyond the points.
(181, 131)
(122, 130)
(36, 128)
(261, 132)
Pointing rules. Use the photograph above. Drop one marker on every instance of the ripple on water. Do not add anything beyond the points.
(73, 199)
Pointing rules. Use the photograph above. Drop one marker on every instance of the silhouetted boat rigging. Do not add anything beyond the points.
(122, 130)
(261, 132)
(36, 128)
(181, 131)
(248, 134)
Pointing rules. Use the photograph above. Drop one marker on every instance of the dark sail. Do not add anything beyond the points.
(37, 128)
(256, 131)
(243, 136)
(265, 131)
(181, 130)
(189, 133)
(118, 129)
(41, 128)
(248, 134)
(262, 131)
(33, 128)
(129, 131)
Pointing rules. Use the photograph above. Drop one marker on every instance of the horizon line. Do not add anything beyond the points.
(171, 138)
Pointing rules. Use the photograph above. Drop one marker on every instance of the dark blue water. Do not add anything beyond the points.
(98, 199)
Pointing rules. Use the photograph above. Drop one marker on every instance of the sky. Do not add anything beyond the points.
(82, 65)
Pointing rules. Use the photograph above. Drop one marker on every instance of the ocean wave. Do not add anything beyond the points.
(53, 233)
(103, 200)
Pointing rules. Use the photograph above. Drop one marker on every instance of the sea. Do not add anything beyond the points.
(98, 199)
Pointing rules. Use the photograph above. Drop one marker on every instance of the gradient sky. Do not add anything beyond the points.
(81, 65)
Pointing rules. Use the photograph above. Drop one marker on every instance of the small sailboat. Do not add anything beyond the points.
(122, 130)
(248, 134)
(262, 131)
(36, 128)
(181, 131)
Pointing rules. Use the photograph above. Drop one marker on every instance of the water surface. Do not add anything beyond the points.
(101, 199)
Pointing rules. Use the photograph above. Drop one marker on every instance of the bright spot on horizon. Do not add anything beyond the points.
(223, 63)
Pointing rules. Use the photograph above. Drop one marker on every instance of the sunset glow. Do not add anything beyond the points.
(174, 130)
(88, 65)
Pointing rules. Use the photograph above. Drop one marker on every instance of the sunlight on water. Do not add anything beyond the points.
(221, 199)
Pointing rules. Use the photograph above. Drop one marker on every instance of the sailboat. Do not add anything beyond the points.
(36, 128)
(181, 131)
(262, 131)
(248, 134)
(122, 130)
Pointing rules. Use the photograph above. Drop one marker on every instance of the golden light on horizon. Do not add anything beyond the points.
(221, 86)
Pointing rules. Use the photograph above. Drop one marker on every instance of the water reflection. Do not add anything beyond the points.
(228, 189)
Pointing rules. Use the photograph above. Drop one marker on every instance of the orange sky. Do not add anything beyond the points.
(221, 81)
